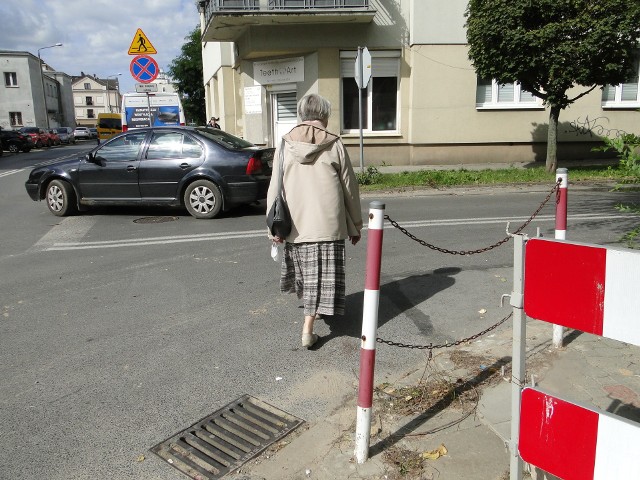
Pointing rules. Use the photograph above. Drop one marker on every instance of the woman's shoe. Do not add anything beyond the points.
(309, 339)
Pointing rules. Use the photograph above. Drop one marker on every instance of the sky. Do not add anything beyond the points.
(96, 34)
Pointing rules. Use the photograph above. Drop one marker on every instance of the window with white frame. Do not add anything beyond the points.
(10, 79)
(380, 98)
(626, 94)
(87, 86)
(15, 119)
(493, 95)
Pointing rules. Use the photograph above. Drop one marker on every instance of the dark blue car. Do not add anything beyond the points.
(203, 169)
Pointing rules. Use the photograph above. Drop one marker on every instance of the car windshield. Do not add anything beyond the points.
(110, 123)
(30, 130)
(225, 139)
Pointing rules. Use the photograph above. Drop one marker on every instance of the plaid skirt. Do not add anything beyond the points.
(315, 272)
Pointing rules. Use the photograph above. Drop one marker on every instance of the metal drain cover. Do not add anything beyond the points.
(155, 219)
(227, 439)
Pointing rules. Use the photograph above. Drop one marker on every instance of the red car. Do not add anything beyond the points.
(54, 138)
(39, 137)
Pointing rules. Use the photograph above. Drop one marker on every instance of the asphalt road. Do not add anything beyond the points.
(116, 333)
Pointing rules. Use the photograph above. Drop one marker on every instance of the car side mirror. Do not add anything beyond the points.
(90, 157)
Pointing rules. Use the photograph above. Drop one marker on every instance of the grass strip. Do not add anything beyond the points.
(374, 180)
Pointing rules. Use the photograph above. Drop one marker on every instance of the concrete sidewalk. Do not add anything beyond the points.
(473, 425)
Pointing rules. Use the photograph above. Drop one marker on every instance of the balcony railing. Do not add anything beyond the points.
(226, 19)
(214, 6)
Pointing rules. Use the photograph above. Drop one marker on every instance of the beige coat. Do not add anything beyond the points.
(320, 186)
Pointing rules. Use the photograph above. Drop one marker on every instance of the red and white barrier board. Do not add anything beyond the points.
(577, 443)
(585, 287)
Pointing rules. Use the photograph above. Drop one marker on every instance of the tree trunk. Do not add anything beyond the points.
(552, 139)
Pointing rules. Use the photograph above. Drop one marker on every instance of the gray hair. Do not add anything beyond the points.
(314, 107)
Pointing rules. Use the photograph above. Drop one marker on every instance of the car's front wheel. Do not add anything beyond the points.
(203, 199)
(13, 148)
(61, 199)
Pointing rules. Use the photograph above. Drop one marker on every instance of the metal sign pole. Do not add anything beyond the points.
(149, 109)
(518, 354)
(360, 85)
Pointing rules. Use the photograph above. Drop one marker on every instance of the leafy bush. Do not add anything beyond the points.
(627, 146)
(370, 176)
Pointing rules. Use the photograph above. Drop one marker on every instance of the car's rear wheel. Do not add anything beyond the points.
(61, 199)
(203, 199)
(13, 148)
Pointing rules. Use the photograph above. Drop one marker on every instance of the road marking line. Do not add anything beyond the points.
(40, 164)
(71, 228)
(56, 242)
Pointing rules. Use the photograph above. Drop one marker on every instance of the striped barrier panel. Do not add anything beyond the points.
(595, 290)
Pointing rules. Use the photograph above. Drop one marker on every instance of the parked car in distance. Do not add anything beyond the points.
(38, 135)
(15, 141)
(202, 169)
(54, 138)
(66, 134)
(82, 133)
(93, 132)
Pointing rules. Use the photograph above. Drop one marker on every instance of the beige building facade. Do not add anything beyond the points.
(93, 95)
(423, 104)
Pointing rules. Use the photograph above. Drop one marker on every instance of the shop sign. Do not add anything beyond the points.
(287, 70)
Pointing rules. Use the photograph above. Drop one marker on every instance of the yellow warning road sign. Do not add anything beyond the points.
(141, 44)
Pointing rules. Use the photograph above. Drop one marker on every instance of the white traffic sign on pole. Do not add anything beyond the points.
(146, 87)
(363, 68)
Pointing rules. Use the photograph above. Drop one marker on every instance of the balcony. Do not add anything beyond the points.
(226, 20)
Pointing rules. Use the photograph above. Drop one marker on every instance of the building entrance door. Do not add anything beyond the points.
(284, 114)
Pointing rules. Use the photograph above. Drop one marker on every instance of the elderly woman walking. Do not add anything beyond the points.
(321, 191)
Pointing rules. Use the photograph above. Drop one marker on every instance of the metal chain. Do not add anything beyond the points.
(480, 250)
(431, 347)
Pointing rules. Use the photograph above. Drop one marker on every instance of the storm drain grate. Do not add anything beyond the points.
(227, 439)
(155, 219)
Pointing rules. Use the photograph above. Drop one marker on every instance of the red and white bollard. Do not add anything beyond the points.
(369, 328)
(561, 204)
(561, 234)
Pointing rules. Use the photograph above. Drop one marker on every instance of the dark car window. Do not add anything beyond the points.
(225, 139)
(113, 123)
(122, 149)
(173, 145)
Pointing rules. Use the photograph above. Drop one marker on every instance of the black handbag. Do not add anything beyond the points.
(279, 217)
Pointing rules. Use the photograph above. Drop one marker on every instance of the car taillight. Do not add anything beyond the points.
(125, 128)
(254, 167)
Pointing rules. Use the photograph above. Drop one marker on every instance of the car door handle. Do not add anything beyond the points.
(132, 168)
(184, 165)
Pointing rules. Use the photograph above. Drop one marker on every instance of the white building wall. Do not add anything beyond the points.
(26, 97)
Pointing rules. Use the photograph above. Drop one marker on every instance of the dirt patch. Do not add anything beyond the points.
(405, 464)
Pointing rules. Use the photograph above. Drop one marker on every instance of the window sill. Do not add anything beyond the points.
(11, 86)
(621, 106)
(371, 134)
(510, 106)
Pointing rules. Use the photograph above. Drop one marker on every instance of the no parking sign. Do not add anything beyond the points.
(144, 69)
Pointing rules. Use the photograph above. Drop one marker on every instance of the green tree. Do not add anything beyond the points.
(552, 46)
(186, 71)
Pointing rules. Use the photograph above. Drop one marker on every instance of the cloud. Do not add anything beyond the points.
(96, 34)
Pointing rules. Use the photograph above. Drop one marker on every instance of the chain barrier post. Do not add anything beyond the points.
(518, 353)
(369, 328)
(562, 176)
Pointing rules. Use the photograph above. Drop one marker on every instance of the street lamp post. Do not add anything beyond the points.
(108, 93)
(44, 93)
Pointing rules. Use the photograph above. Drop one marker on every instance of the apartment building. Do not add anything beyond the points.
(24, 102)
(93, 95)
(424, 103)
